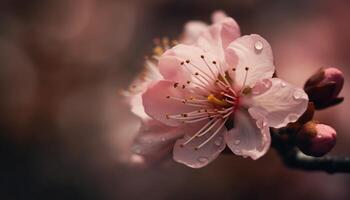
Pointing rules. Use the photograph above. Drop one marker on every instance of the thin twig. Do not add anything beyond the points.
(293, 158)
(329, 164)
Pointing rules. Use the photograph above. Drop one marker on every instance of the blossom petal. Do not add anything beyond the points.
(182, 62)
(218, 36)
(249, 137)
(197, 158)
(171, 69)
(137, 107)
(155, 141)
(217, 16)
(192, 31)
(229, 32)
(133, 96)
(281, 104)
(255, 59)
(157, 104)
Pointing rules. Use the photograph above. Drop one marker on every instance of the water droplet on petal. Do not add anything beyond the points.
(163, 139)
(218, 141)
(258, 46)
(283, 84)
(261, 123)
(297, 94)
(264, 124)
(237, 142)
(203, 159)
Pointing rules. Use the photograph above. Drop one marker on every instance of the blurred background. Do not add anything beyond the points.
(64, 127)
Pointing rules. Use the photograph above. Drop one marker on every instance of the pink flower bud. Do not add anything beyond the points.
(336, 76)
(324, 87)
(316, 139)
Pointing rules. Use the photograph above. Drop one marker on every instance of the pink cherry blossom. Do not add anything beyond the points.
(139, 86)
(218, 91)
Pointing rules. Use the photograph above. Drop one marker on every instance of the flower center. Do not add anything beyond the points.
(213, 96)
(216, 101)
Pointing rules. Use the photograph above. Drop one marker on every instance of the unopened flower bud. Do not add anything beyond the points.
(316, 139)
(324, 87)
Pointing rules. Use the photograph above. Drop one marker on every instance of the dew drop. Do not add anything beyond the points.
(261, 123)
(218, 141)
(258, 46)
(264, 124)
(237, 142)
(297, 94)
(283, 84)
(203, 159)
(163, 139)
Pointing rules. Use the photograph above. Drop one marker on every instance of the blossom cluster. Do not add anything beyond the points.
(215, 89)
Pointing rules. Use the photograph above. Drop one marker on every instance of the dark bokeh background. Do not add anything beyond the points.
(64, 128)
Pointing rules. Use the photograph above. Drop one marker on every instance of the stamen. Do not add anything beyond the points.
(222, 75)
(213, 99)
(189, 101)
(206, 131)
(212, 136)
(228, 114)
(185, 116)
(200, 119)
(245, 78)
(227, 95)
(212, 72)
(198, 68)
(198, 132)
(195, 75)
(229, 101)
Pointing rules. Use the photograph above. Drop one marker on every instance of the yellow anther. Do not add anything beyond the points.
(158, 51)
(247, 91)
(212, 99)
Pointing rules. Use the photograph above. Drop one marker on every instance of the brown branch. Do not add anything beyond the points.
(293, 158)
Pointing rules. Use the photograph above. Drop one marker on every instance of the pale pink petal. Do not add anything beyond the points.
(249, 137)
(137, 107)
(197, 158)
(182, 62)
(217, 16)
(158, 105)
(171, 69)
(229, 32)
(133, 96)
(218, 36)
(155, 141)
(192, 31)
(281, 104)
(255, 59)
